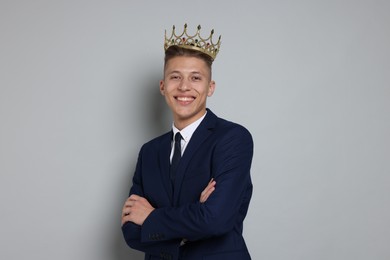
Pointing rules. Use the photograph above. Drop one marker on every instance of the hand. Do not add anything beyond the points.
(136, 209)
(207, 191)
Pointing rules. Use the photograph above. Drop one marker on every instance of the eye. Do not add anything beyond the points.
(174, 77)
(196, 78)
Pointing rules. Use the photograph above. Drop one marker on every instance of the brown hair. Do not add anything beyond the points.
(176, 51)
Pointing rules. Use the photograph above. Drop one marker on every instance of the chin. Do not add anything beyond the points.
(188, 115)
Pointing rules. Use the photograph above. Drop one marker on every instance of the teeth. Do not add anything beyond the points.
(184, 98)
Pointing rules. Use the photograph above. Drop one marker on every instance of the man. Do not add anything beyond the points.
(191, 191)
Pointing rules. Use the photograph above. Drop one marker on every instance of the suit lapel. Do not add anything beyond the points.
(165, 151)
(199, 136)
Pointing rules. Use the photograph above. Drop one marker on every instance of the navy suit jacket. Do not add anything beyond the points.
(218, 149)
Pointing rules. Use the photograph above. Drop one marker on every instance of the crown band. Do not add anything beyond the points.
(195, 42)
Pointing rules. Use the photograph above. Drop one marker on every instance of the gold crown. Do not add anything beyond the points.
(195, 42)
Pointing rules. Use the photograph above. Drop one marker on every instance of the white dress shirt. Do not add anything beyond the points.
(186, 134)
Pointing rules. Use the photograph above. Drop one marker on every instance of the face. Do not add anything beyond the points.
(186, 86)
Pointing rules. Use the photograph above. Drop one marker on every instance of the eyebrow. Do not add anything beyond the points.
(192, 72)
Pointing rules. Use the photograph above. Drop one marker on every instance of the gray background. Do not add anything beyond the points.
(79, 96)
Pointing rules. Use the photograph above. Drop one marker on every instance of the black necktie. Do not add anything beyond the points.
(176, 156)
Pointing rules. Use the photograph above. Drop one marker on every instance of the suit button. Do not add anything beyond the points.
(164, 255)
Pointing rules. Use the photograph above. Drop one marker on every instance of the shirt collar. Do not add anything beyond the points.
(187, 132)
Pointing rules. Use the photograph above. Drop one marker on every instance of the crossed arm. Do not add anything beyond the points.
(136, 208)
(217, 211)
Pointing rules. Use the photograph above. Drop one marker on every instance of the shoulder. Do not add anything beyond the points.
(221, 125)
(232, 140)
(225, 127)
(157, 142)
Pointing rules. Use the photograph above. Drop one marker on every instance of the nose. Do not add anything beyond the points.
(184, 85)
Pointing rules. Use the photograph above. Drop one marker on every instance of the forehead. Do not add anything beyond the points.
(186, 64)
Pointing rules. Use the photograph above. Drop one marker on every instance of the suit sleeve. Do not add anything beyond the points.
(226, 206)
(132, 232)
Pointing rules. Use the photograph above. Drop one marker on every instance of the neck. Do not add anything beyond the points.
(181, 123)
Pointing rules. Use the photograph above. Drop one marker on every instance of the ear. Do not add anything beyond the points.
(211, 88)
(162, 87)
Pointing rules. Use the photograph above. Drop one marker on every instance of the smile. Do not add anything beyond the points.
(185, 99)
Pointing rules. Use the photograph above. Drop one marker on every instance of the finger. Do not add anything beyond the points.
(128, 203)
(126, 211)
(206, 195)
(207, 191)
(209, 186)
(212, 182)
(125, 219)
(135, 197)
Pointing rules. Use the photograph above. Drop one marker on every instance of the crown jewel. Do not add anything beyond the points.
(195, 42)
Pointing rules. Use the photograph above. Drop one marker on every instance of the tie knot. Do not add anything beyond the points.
(178, 137)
